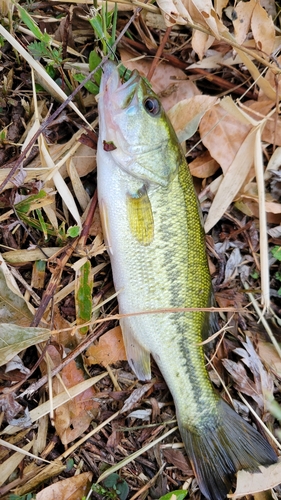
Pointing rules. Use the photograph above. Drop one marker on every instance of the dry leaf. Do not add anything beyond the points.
(71, 488)
(10, 465)
(177, 459)
(14, 339)
(219, 6)
(173, 12)
(109, 349)
(170, 83)
(185, 116)
(75, 416)
(249, 483)
(223, 135)
(263, 29)
(136, 395)
(203, 12)
(203, 166)
(263, 382)
(242, 23)
(273, 80)
(242, 382)
(201, 42)
(270, 357)
(263, 379)
(233, 180)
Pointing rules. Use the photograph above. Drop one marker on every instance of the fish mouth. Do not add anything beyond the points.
(120, 94)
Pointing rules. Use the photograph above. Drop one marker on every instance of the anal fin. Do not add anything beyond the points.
(138, 357)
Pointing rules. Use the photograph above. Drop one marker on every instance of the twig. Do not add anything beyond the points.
(159, 53)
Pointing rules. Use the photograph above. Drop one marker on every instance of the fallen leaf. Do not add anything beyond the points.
(14, 339)
(203, 166)
(173, 12)
(232, 180)
(201, 42)
(249, 483)
(83, 296)
(10, 465)
(263, 29)
(75, 416)
(242, 382)
(263, 379)
(9, 406)
(13, 307)
(185, 116)
(203, 13)
(270, 357)
(136, 395)
(177, 459)
(170, 83)
(71, 488)
(223, 135)
(232, 263)
(242, 23)
(109, 349)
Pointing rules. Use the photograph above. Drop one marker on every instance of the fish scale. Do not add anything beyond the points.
(153, 232)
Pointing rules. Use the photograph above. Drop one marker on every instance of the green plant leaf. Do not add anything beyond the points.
(14, 339)
(97, 25)
(83, 295)
(94, 61)
(73, 231)
(179, 494)
(24, 206)
(276, 252)
(90, 86)
(118, 485)
(30, 23)
(38, 50)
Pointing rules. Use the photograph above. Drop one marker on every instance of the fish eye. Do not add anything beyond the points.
(151, 106)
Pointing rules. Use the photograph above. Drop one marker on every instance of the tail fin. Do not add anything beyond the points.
(218, 450)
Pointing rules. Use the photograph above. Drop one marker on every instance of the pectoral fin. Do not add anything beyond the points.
(140, 216)
(138, 357)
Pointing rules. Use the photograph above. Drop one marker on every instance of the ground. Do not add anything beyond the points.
(216, 70)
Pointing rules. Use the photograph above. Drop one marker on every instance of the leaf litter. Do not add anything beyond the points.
(217, 73)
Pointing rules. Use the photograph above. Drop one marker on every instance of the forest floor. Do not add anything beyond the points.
(75, 422)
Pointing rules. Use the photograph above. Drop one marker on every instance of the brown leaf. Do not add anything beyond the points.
(186, 114)
(108, 350)
(68, 489)
(244, 11)
(136, 395)
(177, 459)
(9, 406)
(263, 29)
(263, 380)
(249, 483)
(233, 180)
(201, 42)
(203, 166)
(173, 12)
(270, 357)
(170, 83)
(223, 135)
(75, 416)
(242, 381)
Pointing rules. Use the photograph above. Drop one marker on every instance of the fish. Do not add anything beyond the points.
(154, 236)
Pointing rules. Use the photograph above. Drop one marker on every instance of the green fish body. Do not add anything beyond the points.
(154, 236)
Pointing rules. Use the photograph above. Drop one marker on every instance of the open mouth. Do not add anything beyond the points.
(112, 85)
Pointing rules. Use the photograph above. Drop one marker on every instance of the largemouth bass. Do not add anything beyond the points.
(154, 236)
